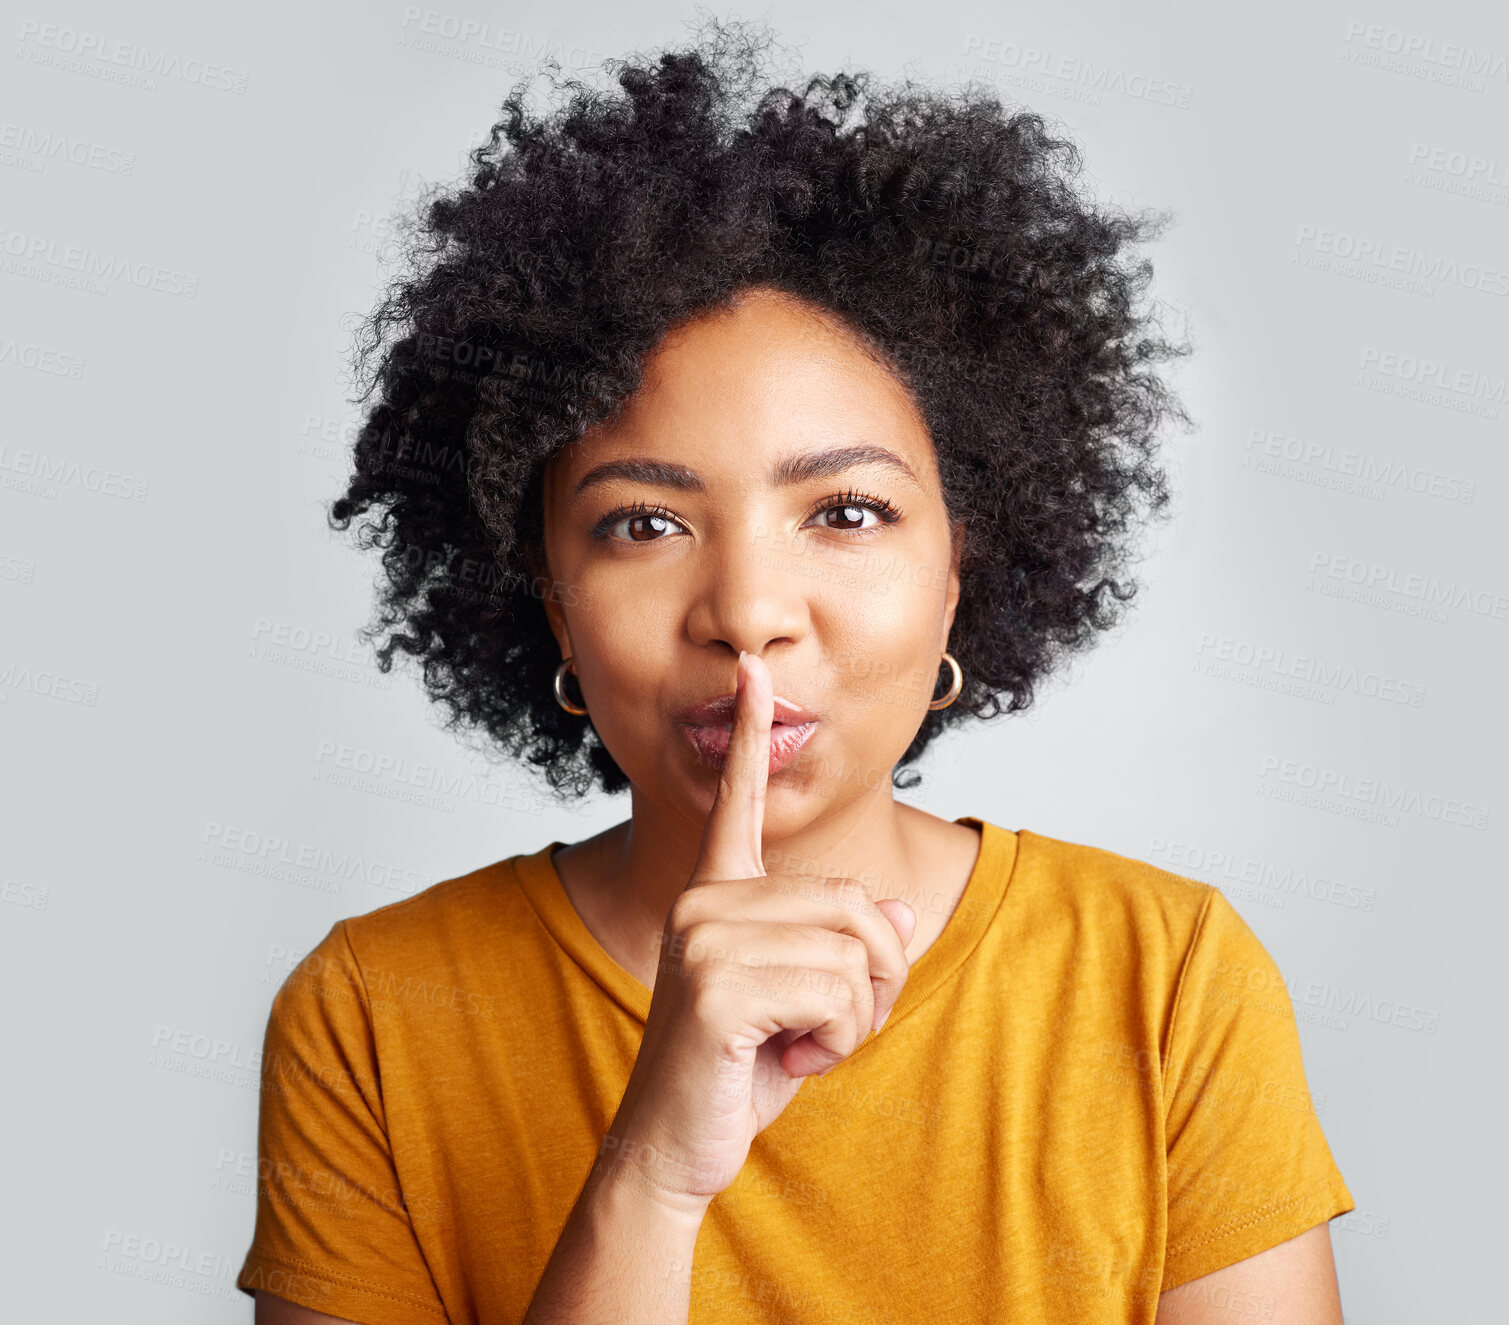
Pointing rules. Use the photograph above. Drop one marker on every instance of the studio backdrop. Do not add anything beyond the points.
(202, 768)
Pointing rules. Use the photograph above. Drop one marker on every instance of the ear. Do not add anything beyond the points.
(540, 586)
(951, 601)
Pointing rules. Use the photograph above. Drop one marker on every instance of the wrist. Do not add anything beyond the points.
(627, 1178)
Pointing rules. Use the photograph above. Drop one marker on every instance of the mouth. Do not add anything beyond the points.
(719, 712)
(709, 726)
(710, 742)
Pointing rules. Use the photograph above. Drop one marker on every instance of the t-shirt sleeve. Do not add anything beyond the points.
(332, 1230)
(1248, 1164)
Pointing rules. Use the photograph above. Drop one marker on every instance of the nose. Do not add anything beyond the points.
(748, 595)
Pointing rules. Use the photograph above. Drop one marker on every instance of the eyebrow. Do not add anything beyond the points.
(792, 470)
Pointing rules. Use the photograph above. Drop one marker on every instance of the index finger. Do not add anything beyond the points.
(731, 839)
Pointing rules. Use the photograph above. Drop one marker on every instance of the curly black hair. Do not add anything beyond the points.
(947, 235)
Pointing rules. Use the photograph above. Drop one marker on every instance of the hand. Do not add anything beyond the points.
(763, 980)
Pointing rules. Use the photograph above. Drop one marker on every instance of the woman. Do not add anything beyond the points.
(793, 442)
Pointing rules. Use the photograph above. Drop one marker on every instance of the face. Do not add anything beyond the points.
(769, 488)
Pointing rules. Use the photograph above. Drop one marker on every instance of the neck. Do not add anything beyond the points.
(638, 868)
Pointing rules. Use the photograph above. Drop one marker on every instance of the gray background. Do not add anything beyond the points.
(184, 708)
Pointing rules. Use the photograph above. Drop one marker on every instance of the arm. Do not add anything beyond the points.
(1294, 1282)
(279, 1311)
(1252, 1184)
(333, 1233)
(624, 1254)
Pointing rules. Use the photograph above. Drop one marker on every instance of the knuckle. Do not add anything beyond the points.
(694, 944)
(848, 1038)
(691, 907)
(709, 943)
(853, 951)
(848, 993)
(708, 1000)
(731, 776)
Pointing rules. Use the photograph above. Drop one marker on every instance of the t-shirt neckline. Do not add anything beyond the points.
(988, 882)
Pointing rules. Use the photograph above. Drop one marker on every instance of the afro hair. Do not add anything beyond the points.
(947, 234)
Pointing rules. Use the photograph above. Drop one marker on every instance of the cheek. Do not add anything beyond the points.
(625, 645)
(631, 634)
(882, 637)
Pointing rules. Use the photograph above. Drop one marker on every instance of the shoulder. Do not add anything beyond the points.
(1155, 926)
(1111, 899)
(1097, 876)
(457, 925)
(448, 905)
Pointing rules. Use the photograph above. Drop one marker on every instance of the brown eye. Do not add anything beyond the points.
(850, 508)
(852, 517)
(649, 525)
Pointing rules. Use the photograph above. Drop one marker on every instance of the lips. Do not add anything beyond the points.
(708, 726)
(719, 712)
(711, 743)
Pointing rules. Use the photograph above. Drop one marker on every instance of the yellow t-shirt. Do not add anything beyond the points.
(1089, 1092)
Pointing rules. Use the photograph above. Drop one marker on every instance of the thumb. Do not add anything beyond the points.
(903, 919)
(731, 839)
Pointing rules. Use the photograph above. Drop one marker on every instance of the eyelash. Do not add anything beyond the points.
(888, 513)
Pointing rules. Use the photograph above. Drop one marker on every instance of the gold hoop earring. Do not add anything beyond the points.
(953, 690)
(560, 690)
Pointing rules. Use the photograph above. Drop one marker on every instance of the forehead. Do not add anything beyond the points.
(738, 390)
